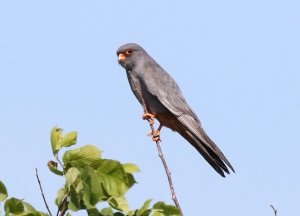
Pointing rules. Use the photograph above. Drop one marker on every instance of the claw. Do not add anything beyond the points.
(155, 136)
(157, 133)
(148, 115)
(156, 139)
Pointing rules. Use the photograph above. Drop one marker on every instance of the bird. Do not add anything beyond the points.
(163, 100)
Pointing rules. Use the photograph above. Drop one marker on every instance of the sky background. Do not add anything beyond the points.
(236, 62)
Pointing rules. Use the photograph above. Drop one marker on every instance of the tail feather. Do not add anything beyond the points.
(194, 133)
(208, 155)
(217, 150)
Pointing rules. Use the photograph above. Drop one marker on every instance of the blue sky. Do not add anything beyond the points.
(237, 63)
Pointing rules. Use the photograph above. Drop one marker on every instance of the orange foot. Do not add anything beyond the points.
(148, 115)
(157, 133)
(156, 139)
(156, 136)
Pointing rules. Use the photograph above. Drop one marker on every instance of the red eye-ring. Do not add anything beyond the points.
(129, 52)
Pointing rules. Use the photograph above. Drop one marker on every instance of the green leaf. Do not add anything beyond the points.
(53, 168)
(161, 209)
(68, 214)
(72, 175)
(131, 168)
(75, 199)
(29, 207)
(58, 140)
(56, 137)
(107, 211)
(119, 214)
(87, 196)
(113, 176)
(131, 213)
(14, 206)
(130, 180)
(105, 179)
(69, 139)
(76, 196)
(93, 212)
(144, 208)
(3, 192)
(147, 212)
(82, 157)
(119, 203)
(92, 183)
(60, 196)
(39, 213)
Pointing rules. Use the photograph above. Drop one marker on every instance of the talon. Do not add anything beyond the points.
(157, 133)
(156, 139)
(155, 136)
(149, 115)
(146, 115)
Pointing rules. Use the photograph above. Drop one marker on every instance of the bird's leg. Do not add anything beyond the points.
(151, 121)
(148, 115)
(156, 136)
(157, 133)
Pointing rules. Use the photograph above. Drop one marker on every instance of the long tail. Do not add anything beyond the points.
(195, 134)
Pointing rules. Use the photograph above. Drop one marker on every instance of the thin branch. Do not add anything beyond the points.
(37, 176)
(166, 168)
(274, 209)
(65, 207)
(139, 94)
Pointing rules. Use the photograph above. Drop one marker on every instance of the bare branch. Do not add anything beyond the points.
(275, 210)
(166, 167)
(37, 176)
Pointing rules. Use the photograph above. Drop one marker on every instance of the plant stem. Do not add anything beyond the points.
(62, 166)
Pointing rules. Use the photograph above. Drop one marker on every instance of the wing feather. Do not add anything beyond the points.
(169, 94)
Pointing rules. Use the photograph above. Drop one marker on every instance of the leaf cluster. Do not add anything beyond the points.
(14, 206)
(90, 180)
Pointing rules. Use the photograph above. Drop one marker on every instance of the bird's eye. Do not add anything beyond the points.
(129, 52)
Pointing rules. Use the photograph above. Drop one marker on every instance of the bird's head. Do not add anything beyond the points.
(129, 55)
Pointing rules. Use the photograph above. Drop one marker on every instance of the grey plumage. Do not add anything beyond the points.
(164, 99)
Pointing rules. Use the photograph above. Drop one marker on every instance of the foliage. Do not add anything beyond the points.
(90, 180)
(14, 206)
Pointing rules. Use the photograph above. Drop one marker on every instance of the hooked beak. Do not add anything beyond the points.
(121, 57)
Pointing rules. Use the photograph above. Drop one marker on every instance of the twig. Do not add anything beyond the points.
(166, 168)
(139, 94)
(275, 210)
(37, 176)
(65, 207)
